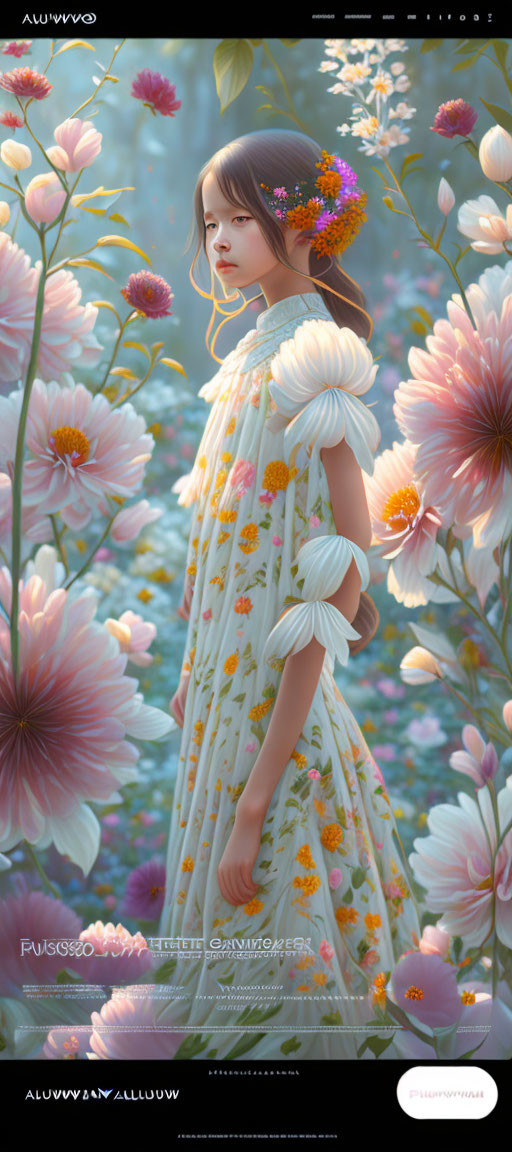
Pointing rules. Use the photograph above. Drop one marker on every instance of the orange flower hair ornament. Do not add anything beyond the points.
(333, 207)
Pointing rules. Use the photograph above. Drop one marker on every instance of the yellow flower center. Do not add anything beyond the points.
(401, 508)
(70, 442)
(414, 993)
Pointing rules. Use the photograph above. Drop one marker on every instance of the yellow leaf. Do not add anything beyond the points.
(133, 344)
(156, 347)
(97, 211)
(101, 191)
(119, 219)
(105, 304)
(121, 242)
(74, 44)
(80, 263)
(173, 364)
(124, 372)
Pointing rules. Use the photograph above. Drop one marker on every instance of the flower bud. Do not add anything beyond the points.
(5, 213)
(15, 155)
(44, 197)
(435, 940)
(507, 715)
(445, 197)
(419, 667)
(495, 154)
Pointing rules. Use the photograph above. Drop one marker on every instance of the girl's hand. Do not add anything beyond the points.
(235, 869)
(177, 704)
(184, 608)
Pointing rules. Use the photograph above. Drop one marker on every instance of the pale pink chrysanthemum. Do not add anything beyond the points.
(118, 955)
(67, 339)
(11, 120)
(130, 521)
(36, 527)
(16, 48)
(127, 1029)
(64, 723)
(26, 83)
(67, 1043)
(403, 525)
(156, 91)
(149, 294)
(457, 410)
(134, 636)
(32, 917)
(425, 986)
(80, 449)
(454, 864)
(454, 118)
(78, 144)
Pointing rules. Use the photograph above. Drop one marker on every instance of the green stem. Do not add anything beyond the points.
(431, 244)
(37, 864)
(40, 146)
(102, 81)
(481, 618)
(113, 356)
(91, 555)
(58, 543)
(291, 113)
(62, 217)
(18, 462)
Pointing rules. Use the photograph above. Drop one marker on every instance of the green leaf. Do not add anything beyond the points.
(375, 1044)
(232, 66)
(463, 64)
(409, 160)
(501, 50)
(472, 46)
(358, 877)
(165, 971)
(499, 114)
(190, 1047)
(289, 43)
(291, 1045)
(381, 174)
(244, 1045)
(430, 45)
(67, 976)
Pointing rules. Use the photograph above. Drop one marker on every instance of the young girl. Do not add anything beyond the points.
(283, 867)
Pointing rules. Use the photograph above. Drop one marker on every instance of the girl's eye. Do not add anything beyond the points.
(242, 217)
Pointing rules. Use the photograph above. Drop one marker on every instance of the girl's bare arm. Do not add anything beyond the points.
(302, 669)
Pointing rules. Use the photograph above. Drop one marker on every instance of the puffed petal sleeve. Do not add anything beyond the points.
(318, 378)
(322, 564)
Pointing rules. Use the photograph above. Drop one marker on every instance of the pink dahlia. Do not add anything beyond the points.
(149, 294)
(118, 956)
(455, 865)
(403, 525)
(26, 84)
(10, 120)
(134, 636)
(32, 917)
(67, 338)
(156, 91)
(454, 118)
(145, 891)
(457, 410)
(16, 48)
(64, 722)
(127, 1029)
(80, 449)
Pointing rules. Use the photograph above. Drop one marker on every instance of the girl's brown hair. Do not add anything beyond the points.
(275, 157)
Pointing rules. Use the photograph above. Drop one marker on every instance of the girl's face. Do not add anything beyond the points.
(235, 246)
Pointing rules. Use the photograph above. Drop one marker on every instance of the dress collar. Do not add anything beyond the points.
(289, 309)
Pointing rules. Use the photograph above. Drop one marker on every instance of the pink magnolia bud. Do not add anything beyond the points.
(495, 154)
(131, 521)
(5, 213)
(44, 197)
(78, 144)
(445, 197)
(435, 940)
(507, 714)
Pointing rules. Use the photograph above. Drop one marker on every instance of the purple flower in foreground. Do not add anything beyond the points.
(156, 91)
(145, 891)
(149, 294)
(454, 118)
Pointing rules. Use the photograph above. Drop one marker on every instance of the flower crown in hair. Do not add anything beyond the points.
(333, 207)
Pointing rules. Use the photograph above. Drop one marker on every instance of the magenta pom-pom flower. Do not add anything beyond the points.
(16, 48)
(149, 294)
(156, 91)
(26, 84)
(10, 120)
(454, 118)
(145, 891)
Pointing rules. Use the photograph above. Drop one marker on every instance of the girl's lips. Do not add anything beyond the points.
(222, 264)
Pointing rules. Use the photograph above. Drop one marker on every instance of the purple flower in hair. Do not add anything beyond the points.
(281, 193)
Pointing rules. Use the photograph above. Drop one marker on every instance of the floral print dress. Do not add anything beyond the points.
(296, 972)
